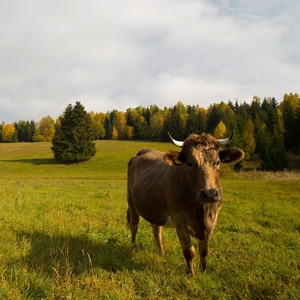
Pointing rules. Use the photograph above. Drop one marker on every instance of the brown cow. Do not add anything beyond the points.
(181, 190)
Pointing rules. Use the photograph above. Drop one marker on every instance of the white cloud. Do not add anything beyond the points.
(117, 54)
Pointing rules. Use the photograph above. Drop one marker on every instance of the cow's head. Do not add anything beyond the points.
(201, 156)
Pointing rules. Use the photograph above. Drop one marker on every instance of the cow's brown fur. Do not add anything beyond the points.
(183, 186)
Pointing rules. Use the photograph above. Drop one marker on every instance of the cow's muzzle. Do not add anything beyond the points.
(209, 196)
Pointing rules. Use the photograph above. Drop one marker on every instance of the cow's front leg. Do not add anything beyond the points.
(157, 232)
(203, 251)
(187, 249)
(203, 247)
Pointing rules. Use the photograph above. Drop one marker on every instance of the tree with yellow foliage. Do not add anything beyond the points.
(98, 129)
(220, 130)
(248, 139)
(114, 133)
(47, 128)
(8, 133)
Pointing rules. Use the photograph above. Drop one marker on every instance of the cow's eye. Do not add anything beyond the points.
(189, 164)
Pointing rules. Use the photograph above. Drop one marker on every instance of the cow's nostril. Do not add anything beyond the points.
(204, 194)
(211, 195)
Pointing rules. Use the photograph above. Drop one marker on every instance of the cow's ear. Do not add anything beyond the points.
(231, 155)
(172, 158)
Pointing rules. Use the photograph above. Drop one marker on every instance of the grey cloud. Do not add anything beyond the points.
(116, 54)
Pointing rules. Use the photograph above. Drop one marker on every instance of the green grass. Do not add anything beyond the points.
(63, 233)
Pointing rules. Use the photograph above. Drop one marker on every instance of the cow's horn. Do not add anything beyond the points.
(227, 140)
(176, 143)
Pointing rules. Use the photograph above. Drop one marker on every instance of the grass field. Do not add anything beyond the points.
(63, 233)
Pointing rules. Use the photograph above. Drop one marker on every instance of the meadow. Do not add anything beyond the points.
(63, 233)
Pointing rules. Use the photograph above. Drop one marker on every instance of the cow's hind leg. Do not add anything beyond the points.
(133, 223)
(157, 231)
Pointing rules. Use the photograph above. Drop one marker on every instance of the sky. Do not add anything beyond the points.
(118, 54)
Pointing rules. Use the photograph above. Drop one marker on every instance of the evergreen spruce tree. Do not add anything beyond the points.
(269, 107)
(272, 151)
(191, 123)
(73, 139)
(213, 118)
(297, 132)
(195, 122)
(290, 108)
(175, 125)
(289, 121)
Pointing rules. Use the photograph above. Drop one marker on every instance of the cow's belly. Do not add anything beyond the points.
(155, 219)
(169, 223)
(165, 222)
(150, 204)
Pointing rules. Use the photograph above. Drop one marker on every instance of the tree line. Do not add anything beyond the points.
(265, 129)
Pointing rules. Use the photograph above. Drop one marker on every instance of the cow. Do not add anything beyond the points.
(180, 190)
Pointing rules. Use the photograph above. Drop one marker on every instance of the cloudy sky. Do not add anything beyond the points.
(118, 54)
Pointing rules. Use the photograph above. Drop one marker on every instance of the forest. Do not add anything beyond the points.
(267, 130)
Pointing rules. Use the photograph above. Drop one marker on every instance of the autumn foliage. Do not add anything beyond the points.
(265, 129)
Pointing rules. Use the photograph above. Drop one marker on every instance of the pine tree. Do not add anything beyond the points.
(272, 151)
(195, 122)
(269, 107)
(214, 117)
(111, 122)
(220, 112)
(290, 108)
(175, 125)
(297, 132)
(22, 128)
(73, 139)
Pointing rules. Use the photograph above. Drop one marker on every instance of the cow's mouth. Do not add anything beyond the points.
(209, 196)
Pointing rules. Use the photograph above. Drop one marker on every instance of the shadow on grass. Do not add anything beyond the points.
(34, 161)
(75, 255)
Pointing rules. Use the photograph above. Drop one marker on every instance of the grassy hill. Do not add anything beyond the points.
(63, 233)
